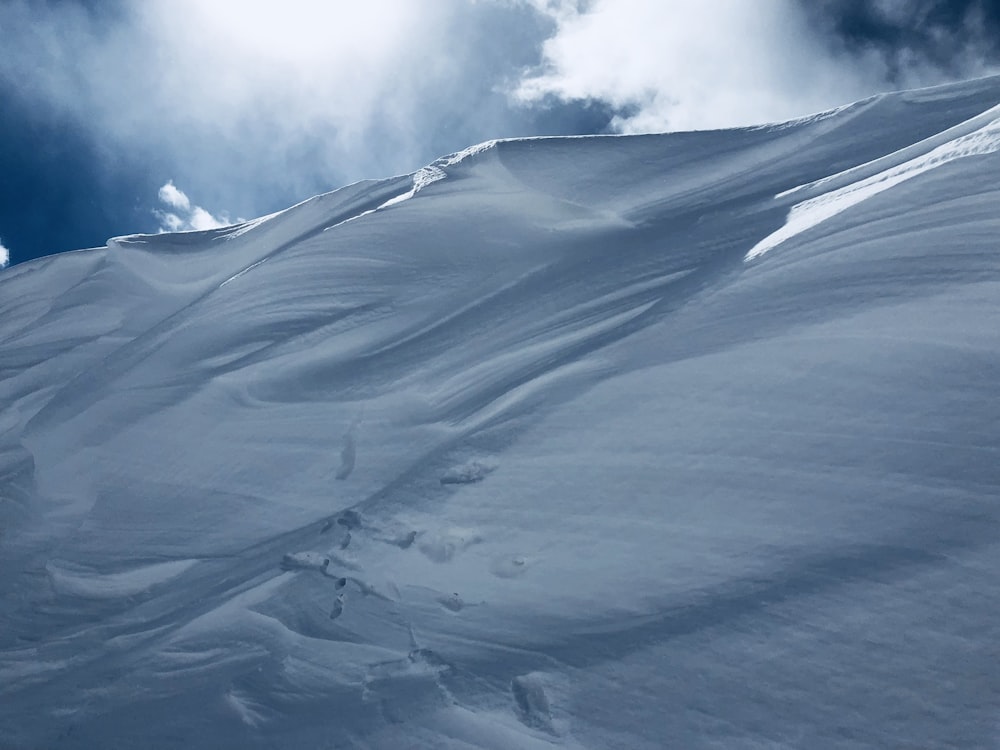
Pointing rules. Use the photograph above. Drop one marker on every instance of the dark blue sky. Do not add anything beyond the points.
(104, 104)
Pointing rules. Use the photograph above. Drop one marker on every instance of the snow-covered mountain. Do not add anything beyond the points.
(686, 440)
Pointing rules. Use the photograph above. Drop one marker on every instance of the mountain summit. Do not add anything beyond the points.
(685, 440)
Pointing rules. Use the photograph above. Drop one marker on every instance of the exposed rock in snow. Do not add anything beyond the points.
(531, 702)
(338, 607)
(348, 454)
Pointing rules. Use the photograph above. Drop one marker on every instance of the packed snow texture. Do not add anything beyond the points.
(683, 440)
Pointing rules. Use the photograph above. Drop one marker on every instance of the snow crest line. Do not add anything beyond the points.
(435, 171)
(810, 213)
(240, 273)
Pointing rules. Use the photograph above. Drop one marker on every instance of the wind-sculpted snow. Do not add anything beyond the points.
(985, 139)
(519, 452)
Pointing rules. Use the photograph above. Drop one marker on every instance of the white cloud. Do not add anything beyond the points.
(173, 197)
(688, 64)
(4, 255)
(183, 215)
(202, 219)
(246, 98)
(243, 100)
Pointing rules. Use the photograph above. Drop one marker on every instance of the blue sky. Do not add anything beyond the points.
(175, 114)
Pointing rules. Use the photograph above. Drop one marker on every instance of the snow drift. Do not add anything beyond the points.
(683, 440)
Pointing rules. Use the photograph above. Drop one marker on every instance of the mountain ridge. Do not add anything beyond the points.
(524, 455)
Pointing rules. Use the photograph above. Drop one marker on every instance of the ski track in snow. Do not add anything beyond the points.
(538, 460)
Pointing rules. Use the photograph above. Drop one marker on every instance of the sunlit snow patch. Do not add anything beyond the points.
(810, 213)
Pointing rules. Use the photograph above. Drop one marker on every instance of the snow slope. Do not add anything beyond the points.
(685, 440)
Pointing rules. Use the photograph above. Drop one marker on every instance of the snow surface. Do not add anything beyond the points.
(685, 440)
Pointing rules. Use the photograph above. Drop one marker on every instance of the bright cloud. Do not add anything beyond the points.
(4, 255)
(245, 99)
(173, 197)
(182, 215)
(253, 104)
(688, 64)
